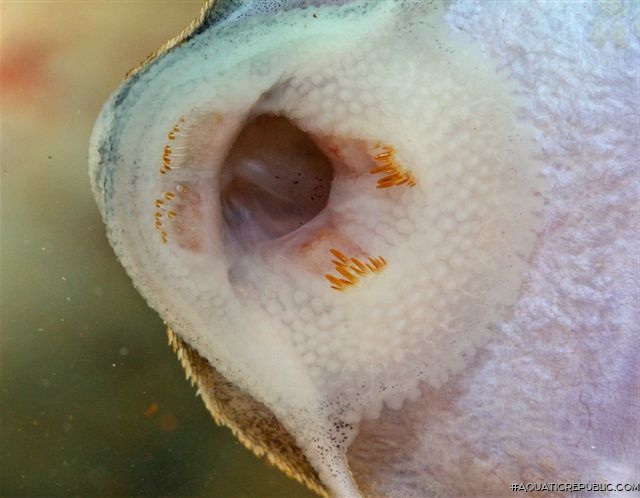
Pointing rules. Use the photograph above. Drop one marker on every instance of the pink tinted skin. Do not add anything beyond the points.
(556, 397)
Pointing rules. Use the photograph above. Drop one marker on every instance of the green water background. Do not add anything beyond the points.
(92, 400)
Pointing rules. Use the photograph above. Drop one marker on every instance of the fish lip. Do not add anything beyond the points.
(103, 156)
(106, 135)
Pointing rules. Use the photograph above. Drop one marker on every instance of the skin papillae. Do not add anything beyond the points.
(461, 356)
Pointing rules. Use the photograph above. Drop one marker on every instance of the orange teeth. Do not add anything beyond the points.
(167, 151)
(165, 211)
(351, 270)
(394, 174)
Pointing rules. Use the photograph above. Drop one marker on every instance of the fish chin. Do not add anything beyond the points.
(347, 215)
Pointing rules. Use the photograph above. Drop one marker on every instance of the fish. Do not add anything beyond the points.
(394, 243)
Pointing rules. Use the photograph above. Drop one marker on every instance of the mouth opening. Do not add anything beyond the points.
(274, 181)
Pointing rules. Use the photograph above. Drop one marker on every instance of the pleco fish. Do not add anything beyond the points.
(394, 242)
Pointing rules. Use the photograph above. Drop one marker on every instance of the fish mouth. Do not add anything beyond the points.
(278, 196)
(328, 251)
(274, 180)
(277, 192)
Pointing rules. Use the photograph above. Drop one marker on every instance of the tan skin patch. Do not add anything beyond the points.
(171, 202)
(171, 210)
(186, 215)
(348, 156)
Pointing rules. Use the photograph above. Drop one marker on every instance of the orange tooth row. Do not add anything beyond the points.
(167, 150)
(350, 270)
(387, 164)
(163, 206)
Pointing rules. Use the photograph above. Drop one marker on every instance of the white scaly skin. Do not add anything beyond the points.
(498, 342)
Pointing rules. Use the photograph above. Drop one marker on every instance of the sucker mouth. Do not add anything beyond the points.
(329, 258)
(276, 197)
(272, 186)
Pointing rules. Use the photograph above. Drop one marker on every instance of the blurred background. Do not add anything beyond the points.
(92, 400)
